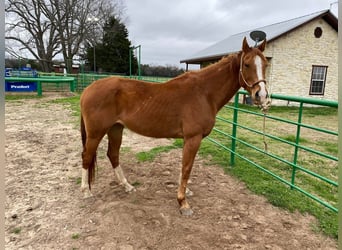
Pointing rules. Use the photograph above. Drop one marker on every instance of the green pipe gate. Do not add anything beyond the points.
(40, 80)
(295, 168)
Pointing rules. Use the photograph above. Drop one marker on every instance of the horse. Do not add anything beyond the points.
(183, 107)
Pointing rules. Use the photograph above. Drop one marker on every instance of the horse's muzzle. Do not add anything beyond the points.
(261, 98)
(263, 102)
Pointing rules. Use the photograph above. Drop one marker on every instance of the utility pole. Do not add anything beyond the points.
(93, 20)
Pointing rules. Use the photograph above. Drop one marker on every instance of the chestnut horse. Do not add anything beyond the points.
(184, 107)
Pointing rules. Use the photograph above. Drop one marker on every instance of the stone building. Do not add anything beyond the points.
(302, 55)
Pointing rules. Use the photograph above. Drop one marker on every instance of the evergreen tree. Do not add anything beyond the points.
(112, 55)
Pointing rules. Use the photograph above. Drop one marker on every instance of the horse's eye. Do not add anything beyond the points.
(246, 65)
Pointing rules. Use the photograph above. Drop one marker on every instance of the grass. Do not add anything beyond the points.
(21, 97)
(75, 236)
(259, 182)
(277, 193)
(16, 230)
(136, 184)
(330, 147)
(151, 155)
(78, 180)
(71, 102)
(292, 138)
(262, 183)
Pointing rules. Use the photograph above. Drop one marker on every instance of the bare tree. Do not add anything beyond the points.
(50, 27)
(27, 25)
(69, 19)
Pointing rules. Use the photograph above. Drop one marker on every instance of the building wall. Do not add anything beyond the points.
(293, 55)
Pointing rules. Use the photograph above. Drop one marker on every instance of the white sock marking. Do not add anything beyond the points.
(188, 192)
(84, 184)
(122, 179)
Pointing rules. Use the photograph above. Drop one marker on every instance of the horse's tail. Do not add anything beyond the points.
(83, 133)
(91, 167)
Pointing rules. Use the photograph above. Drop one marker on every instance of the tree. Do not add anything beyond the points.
(112, 54)
(78, 21)
(49, 27)
(166, 71)
(27, 25)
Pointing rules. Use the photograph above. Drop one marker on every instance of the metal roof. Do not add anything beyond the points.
(232, 43)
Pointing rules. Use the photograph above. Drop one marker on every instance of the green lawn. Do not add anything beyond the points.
(259, 182)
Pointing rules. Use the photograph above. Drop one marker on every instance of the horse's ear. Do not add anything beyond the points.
(262, 46)
(245, 46)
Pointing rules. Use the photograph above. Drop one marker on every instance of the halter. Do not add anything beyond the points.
(257, 36)
(243, 78)
(264, 109)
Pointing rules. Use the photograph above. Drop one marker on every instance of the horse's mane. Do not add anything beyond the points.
(226, 61)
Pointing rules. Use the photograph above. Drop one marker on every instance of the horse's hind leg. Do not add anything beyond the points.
(114, 144)
(88, 164)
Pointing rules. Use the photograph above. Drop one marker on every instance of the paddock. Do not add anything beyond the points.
(45, 209)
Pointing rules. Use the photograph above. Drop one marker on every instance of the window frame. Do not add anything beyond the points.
(311, 92)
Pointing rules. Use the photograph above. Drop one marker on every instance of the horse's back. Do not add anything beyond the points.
(156, 110)
(107, 86)
(134, 104)
(105, 91)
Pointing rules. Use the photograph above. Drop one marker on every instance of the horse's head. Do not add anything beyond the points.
(252, 73)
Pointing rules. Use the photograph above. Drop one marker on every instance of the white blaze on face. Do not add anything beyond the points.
(262, 91)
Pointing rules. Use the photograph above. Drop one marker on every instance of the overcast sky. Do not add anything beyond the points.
(169, 31)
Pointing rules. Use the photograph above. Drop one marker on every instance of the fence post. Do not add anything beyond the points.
(139, 62)
(130, 62)
(72, 85)
(39, 88)
(235, 117)
(295, 155)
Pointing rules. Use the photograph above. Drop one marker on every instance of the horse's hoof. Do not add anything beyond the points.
(87, 194)
(129, 188)
(188, 192)
(186, 211)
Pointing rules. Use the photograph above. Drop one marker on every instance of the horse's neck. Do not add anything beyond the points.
(221, 80)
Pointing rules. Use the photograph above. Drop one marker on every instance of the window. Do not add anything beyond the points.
(318, 32)
(318, 77)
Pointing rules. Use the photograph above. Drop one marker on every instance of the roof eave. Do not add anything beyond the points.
(326, 15)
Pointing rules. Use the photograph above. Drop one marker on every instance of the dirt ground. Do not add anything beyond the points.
(45, 208)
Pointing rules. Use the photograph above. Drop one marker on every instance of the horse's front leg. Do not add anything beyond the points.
(188, 192)
(190, 149)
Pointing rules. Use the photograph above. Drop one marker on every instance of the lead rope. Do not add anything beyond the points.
(264, 110)
(263, 132)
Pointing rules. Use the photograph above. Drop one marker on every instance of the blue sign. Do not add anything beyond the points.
(21, 86)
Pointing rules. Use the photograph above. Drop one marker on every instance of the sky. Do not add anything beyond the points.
(169, 31)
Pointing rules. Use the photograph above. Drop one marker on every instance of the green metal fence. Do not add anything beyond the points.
(299, 158)
(57, 82)
(304, 156)
(82, 80)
